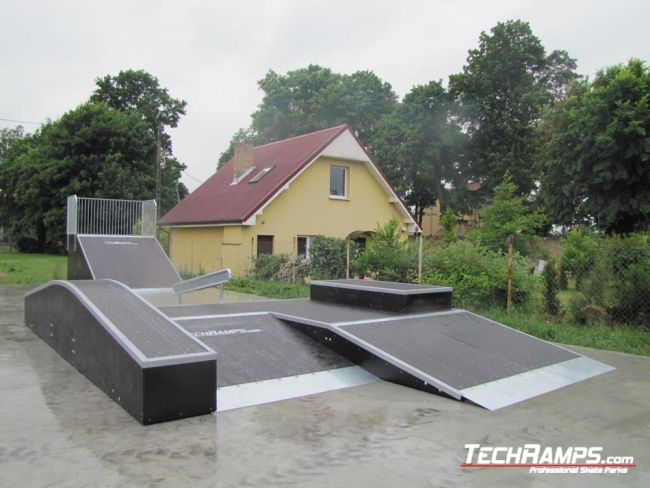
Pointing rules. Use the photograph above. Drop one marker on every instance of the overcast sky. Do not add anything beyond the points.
(212, 54)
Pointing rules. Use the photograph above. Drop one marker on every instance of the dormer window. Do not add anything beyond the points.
(262, 174)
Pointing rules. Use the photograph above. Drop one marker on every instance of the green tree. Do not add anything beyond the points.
(504, 89)
(595, 162)
(506, 215)
(418, 148)
(9, 137)
(313, 98)
(93, 151)
(140, 92)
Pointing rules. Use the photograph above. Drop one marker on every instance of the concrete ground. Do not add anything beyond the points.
(57, 429)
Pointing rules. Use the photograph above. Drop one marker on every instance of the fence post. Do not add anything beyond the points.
(347, 259)
(511, 251)
(420, 258)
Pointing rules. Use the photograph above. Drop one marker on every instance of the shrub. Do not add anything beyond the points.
(387, 256)
(551, 300)
(579, 253)
(448, 221)
(479, 277)
(327, 258)
(267, 266)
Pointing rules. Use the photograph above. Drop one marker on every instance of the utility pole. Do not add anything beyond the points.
(158, 175)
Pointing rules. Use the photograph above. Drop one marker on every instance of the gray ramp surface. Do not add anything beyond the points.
(145, 327)
(305, 309)
(136, 261)
(460, 349)
(260, 347)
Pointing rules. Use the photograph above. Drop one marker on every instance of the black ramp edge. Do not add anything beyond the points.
(261, 347)
(136, 261)
(380, 295)
(181, 382)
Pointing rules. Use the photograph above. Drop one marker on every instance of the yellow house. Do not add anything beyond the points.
(275, 198)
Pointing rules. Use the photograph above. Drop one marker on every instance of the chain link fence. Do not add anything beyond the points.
(585, 280)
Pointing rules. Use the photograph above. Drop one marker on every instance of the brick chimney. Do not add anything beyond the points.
(243, 159)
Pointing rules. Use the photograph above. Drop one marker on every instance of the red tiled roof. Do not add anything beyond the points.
(218, 201)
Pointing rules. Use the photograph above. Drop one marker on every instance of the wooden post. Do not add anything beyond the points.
(420, 245)
(511, 252)
(347, 260)
(295, 258)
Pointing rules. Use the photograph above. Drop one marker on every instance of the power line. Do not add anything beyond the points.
(195, 179)
(20, 121)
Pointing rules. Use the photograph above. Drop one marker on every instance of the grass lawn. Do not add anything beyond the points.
(622, 338)
(270, 289)
(18, 268)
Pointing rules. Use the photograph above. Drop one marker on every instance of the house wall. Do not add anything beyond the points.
(431, 221)
(304, 209)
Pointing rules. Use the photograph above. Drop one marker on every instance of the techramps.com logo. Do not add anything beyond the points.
(547, 460)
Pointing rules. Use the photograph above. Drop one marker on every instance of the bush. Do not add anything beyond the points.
(327, 258)
(479, 277)
(579, 253)
(551, 300)
(613, 275)
(448, 221)
(267, 266)
(387, 256)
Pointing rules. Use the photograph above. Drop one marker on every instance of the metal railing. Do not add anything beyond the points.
(105, 216)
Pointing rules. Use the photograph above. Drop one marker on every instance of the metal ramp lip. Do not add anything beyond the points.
(504, 392)
(278, 389)
(416, 290)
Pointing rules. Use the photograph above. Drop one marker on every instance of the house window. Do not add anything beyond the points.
(338, 181)
(304, 244)
(264, 245)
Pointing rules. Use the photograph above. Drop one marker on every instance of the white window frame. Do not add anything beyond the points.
(308, 243)
(346, 183)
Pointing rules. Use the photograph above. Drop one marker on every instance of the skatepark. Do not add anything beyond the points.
(365, 382)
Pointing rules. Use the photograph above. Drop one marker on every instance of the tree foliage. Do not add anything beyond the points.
(596, 161)
(90, 151)
(507, 215)
(418, 147)
(314, 98)
(505, 87)
(103, 148)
